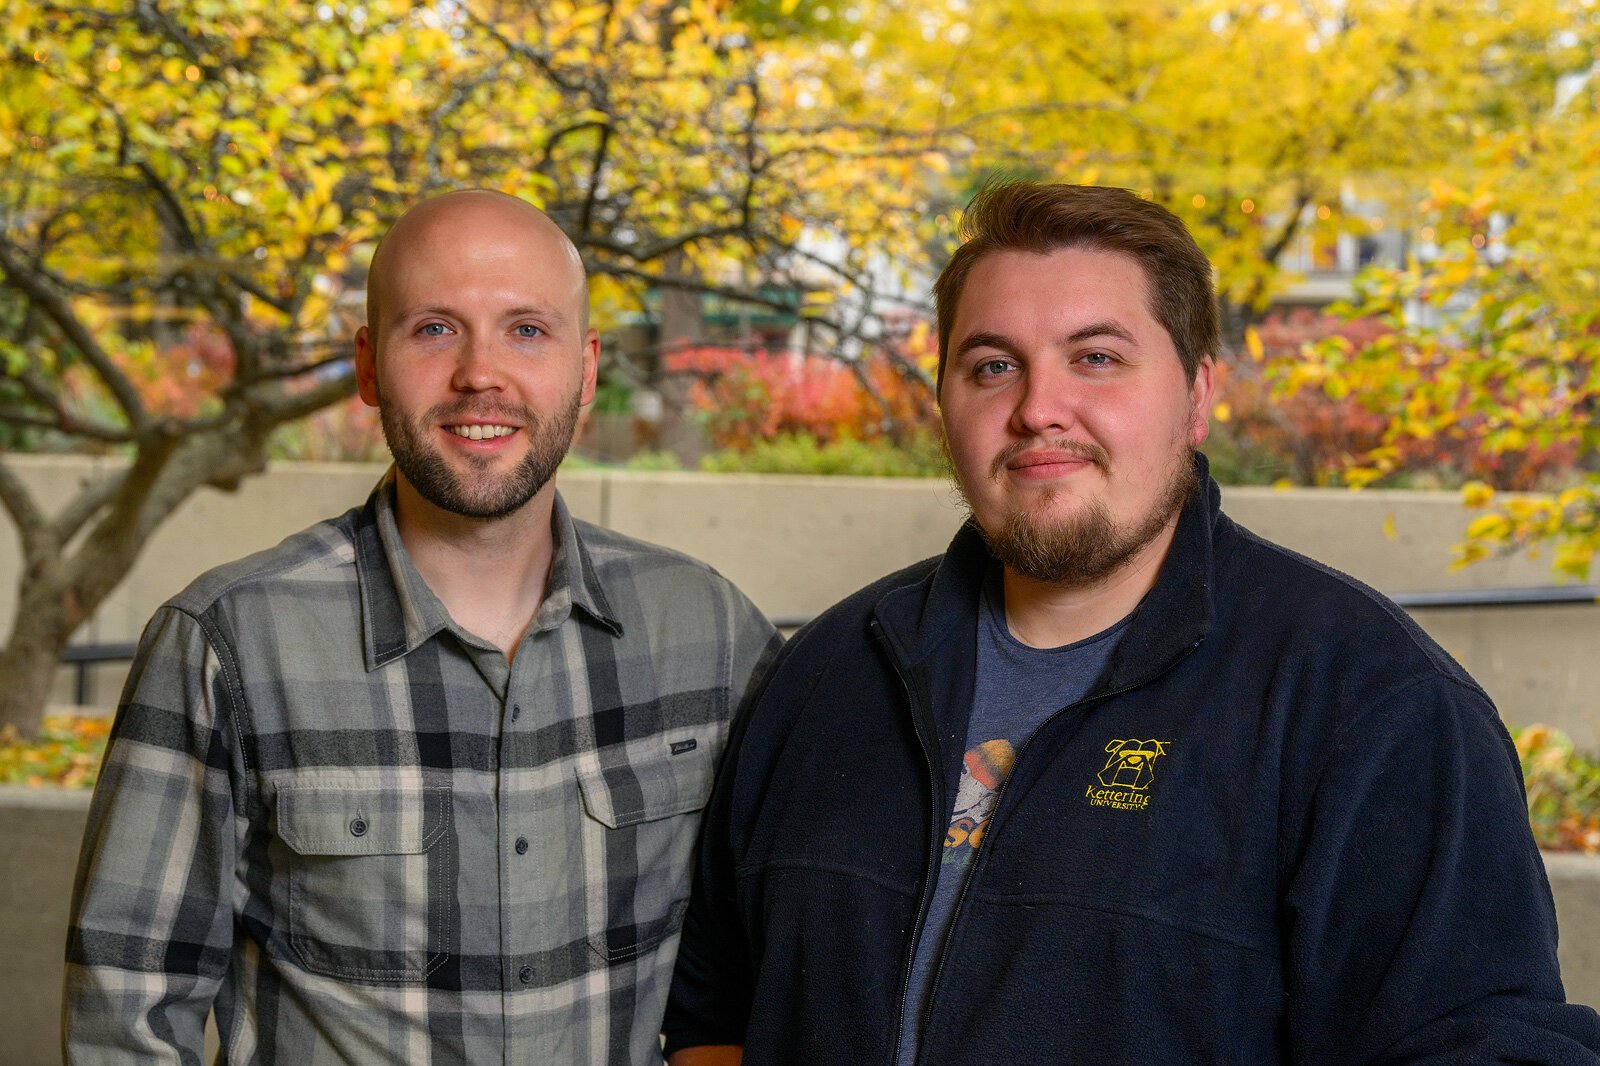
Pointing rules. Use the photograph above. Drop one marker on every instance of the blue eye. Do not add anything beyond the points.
(1097, 359)
(526, 330)
(434, 329)
(991, 367)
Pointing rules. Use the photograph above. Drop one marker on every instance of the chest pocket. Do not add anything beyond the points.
(639, 833)
(371, 879)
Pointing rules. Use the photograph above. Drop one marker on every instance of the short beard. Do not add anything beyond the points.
(1088, 548)
(483, 496)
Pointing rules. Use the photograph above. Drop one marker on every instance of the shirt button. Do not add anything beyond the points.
(525, 975)
(358, 827)
(522, 845)
(516, 711)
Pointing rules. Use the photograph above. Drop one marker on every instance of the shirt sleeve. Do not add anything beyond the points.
(152, 923)
(1420, 922)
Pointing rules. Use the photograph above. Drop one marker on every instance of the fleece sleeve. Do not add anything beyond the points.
(714, 983)
(1420, 922)
(152, 919)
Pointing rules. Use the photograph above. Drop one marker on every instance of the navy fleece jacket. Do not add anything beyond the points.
(1287, 828)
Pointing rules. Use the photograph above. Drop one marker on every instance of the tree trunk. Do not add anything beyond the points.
(64, 585)
(683, 326)
(1234, 319)
(40, 630)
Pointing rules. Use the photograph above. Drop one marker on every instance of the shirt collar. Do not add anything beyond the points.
(399, 612)
(574, 579)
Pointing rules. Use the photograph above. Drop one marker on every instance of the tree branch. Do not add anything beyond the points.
(666, 246)
(65, 420)
(555, 137)
(86, 505)
(906, 367)
(1276, 247)
(59, 312)
(64, 424)
(24, 511)
(697, 285)
(177, 221)
(596, 167)
(282, 373)
(517, 48)
(289, 407)
(149, 14)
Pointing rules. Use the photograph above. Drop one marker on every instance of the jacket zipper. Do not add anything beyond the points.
(994, 814)
(935, 777)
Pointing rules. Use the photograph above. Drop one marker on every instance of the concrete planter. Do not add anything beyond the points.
(40, 830)
(1575, 880)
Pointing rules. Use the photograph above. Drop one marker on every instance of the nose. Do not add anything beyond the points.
(477, 367)
(1044, 403)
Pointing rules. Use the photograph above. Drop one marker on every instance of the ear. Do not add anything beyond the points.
(1201, 394)
(591, 365)
(1115, 745)
(366, 367)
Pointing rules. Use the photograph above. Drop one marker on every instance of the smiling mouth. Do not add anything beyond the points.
(478, 432)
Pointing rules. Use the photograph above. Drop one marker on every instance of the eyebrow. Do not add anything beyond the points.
(983, 339)
(550, 314)
(990, 339)
(1104, 328)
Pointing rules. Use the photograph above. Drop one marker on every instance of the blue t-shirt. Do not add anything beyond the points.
(1015, 689)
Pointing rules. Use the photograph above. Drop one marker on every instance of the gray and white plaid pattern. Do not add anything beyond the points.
(367, 837)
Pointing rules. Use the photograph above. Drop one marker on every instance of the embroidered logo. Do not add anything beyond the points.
(1125, 779)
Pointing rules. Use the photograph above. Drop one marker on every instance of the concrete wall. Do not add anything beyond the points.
(797, 544)
(40, 829)
(39, 834)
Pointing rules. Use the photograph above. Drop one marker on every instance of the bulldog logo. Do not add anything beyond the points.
(1130, 763)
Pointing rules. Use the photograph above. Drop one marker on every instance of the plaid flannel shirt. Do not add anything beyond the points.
(361, 835)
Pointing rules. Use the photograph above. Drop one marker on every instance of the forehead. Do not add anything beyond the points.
(1065, 286)
(481, 255)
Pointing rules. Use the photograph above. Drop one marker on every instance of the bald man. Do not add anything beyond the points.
(420, 784)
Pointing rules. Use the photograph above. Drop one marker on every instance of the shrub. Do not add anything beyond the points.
(1332, 427)
(652, 462)
(1563, 790)
(1306, 438)
(744, 398)
(67, 753)
(801, 453)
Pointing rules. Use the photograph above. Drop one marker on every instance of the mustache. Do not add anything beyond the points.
(1082, 449)
(470, 407)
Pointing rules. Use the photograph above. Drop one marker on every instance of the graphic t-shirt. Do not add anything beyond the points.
(1016, 688)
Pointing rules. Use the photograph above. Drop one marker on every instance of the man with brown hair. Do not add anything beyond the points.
(1112, 780)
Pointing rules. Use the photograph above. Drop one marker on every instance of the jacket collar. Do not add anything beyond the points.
(399, 612)
(1174, 617)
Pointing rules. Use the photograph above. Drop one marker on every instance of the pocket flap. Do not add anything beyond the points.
(658, 787)
(330, 820)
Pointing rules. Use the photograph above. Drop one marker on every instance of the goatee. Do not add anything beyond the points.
(478, 493)
(1087, 547)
